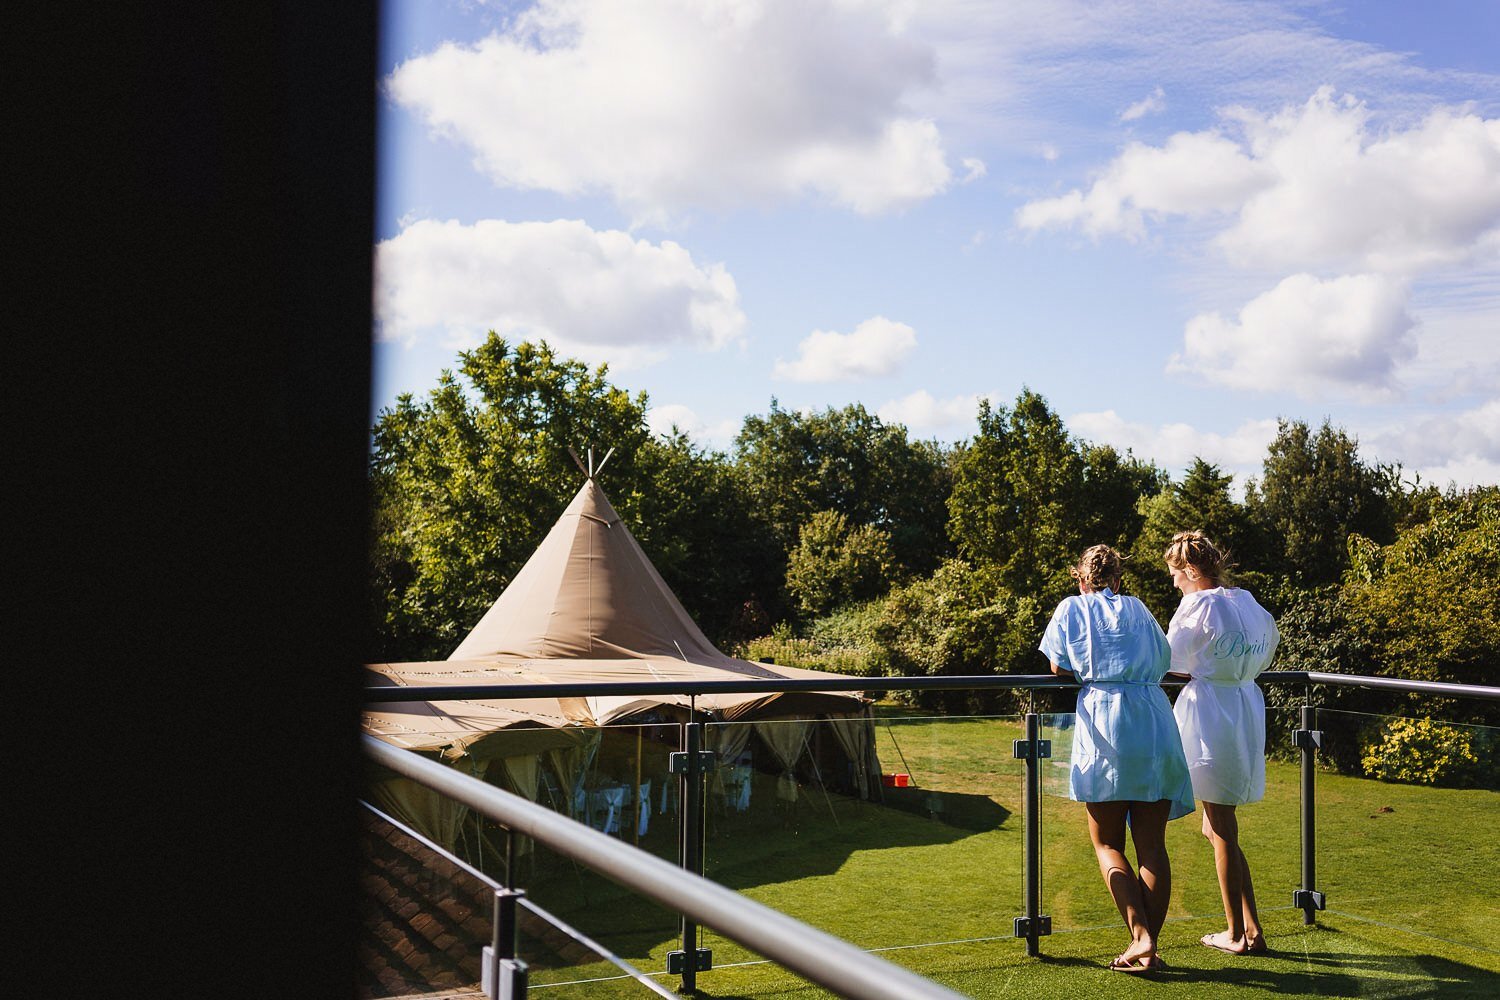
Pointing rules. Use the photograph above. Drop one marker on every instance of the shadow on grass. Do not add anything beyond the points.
(1325, 965)
(767, 849)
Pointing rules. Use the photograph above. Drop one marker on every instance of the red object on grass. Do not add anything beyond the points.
(895, 780)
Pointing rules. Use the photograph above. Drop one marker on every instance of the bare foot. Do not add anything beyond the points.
(1224, 942)
(1140, 952)
(1255, 944)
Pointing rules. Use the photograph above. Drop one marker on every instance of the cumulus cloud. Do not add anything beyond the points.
(876, 347)
(923, 413)
(1174, 446)
(667, 105)
(1193, 174)
(1306, 335)
(597, 291)
(1463, 447)
(1312, 187)
(1153, 103)
(718, 433)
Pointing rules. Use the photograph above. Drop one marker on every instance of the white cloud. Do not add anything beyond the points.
(719, 433)
(922, 413)
(1174, 446)
(604, 293)
(1463, 447)
(1308, 336)
(667, 105)
(1194, 174)
(1153, 103)
(876, 347)
(974, 169)
(1310, 187)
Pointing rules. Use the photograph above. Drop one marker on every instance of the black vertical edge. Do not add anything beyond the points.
(187, 373)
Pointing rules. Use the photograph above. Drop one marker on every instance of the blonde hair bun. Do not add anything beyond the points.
(1100, 566)
(1193, 550)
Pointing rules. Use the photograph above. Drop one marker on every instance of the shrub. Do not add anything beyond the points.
(837, 563)
(1421, 751)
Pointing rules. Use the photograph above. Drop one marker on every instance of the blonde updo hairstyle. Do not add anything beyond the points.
(1193, 550)
(1100, 566)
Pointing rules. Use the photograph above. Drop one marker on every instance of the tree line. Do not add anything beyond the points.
(835, 540)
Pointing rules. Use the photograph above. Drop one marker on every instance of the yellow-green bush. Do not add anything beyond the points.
(1421, 751)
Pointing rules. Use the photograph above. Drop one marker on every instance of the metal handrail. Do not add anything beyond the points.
(807, 951)
(1483, 691)
(750, 685)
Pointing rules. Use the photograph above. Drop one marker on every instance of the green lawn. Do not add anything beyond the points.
(1412, 876)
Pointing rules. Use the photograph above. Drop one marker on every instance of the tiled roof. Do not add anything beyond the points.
(424, 921)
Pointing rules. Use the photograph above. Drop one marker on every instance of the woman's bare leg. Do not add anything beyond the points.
(1107, 831)
(1148, 831)
(1255, 937)
(1221, 827)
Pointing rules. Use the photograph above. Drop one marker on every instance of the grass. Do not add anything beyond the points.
(1412, 876)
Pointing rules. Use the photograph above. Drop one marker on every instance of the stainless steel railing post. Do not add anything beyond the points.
(1308, 738)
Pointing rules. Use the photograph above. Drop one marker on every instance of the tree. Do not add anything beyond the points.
(1113, 485)
(1313, 494)
(837, 563)
(849, 461)
(1201, 502)
(1016, 497)
(467, 482)
(694, 518)
(959, 620)
(1428, 602)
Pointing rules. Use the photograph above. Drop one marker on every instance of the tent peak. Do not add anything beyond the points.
(590, 470)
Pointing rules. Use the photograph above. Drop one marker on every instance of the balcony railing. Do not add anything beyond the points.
(731, 815)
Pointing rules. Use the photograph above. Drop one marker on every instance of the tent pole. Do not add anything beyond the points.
(813, 748)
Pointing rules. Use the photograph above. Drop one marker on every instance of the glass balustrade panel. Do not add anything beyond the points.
(1406, 811)
(897, 830)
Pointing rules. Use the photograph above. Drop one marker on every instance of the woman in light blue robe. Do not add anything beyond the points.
(1128, 764)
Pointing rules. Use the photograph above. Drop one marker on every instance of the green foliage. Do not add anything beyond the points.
(1314, 492)
(960, 620)
(836, 563)
(1028, 499)
(691, 514)
(1428, 603)
(1201, 502)
(842, 643)
(1014, 487)
(848, 461)
(1423, 752)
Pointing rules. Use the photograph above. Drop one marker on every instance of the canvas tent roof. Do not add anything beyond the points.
(587, 606)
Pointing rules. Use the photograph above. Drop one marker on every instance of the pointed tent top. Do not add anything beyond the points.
(589, 592)
(590, 470)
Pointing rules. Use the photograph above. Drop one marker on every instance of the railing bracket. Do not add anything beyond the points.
(1043, 926)
(512, 981)
(681, 762)
(1307, 739)
(703, 960)
(1026, 749)
(1308, 900)
(1023, 927)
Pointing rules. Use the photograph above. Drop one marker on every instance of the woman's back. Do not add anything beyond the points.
(1104, 638)
(1125, 744)
(1222, 635)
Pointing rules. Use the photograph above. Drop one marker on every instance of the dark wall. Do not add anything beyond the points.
(187, 376)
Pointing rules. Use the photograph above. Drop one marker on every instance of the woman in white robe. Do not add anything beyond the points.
(1221, 639)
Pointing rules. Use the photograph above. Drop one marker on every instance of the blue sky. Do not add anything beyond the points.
(1178, 220)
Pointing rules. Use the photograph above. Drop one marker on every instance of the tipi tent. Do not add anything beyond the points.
(589, 606)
